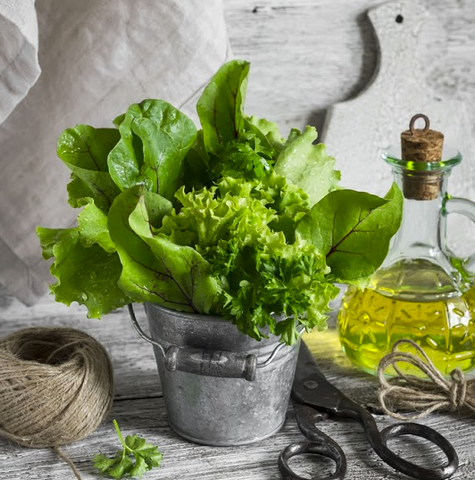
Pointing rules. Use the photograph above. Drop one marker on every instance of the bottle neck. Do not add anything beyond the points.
(422, 232)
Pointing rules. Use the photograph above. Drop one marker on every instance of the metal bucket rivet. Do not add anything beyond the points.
(220, 386)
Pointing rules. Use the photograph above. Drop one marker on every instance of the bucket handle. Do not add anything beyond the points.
(210, 363)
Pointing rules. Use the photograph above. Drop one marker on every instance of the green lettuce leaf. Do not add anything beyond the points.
(49, 237)
(196, 174)
(232, 144)
(84, 151)
(155, 138)
(220, 107)
(87, 275)
(307, 165)
(206, 216)
(287, 202)
(269, 130)
(87, 147)
(92, 224)
(353, 230)
(155, 269)
(187, 269)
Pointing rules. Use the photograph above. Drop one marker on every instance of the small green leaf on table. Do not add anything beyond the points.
(133, 460)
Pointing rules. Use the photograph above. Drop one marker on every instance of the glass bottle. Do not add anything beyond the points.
(422, 291)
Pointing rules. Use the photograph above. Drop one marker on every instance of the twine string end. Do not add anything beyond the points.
(411, 393)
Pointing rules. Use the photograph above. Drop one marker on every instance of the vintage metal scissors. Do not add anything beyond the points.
(312, 395)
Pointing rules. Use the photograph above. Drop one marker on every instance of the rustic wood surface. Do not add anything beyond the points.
(139, 408)
(307, 55)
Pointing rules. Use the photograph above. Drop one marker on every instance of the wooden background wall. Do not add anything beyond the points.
(310, 54)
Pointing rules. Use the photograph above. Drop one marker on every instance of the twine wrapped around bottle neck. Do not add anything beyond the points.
(413, 394)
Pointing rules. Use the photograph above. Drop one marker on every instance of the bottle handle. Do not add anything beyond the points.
(466, 208)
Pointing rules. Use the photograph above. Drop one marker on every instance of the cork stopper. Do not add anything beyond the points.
(421, 145)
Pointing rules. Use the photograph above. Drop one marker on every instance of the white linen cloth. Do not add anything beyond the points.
(96, 58)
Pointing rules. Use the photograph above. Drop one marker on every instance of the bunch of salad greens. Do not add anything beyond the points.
(231, 220)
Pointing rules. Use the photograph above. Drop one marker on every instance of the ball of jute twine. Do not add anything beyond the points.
(424, 396)
(56, 387)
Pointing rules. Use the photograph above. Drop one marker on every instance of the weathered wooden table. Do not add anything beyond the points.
(288, 43)
(139, 408)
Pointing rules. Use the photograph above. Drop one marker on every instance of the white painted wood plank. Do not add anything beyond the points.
(308, 55)
(305, 55)
(185, 460)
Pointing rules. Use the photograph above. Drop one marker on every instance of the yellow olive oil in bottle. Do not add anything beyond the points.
(372, 320)
(422, 291)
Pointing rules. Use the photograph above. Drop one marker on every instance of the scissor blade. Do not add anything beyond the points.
(311, 388)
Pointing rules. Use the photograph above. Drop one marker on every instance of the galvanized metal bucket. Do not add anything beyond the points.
(220, 386)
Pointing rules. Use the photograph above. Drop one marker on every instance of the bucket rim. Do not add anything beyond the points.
(180, 314)
(204, 316)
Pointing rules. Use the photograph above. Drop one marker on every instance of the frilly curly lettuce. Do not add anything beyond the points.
(259, 272)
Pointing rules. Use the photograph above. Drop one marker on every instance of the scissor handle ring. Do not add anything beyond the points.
(416, 471)
(325, 449)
